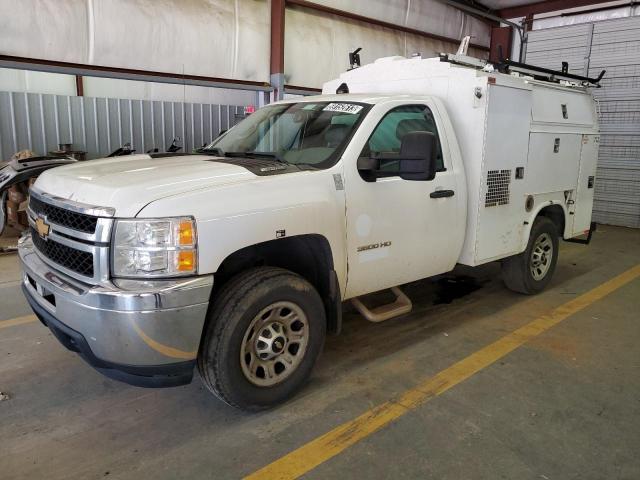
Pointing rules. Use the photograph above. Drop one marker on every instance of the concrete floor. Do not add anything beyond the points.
(565, 405)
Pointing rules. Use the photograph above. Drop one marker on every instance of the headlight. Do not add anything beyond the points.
(164, 247)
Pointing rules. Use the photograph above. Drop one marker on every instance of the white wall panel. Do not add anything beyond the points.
(115, 88)
(12, 80)
(426, 15)
(317, 46)
(221, 38)
(214, 38)
(50, 29)
(328, 40)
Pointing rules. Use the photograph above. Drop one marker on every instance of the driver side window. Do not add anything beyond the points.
(387, 136)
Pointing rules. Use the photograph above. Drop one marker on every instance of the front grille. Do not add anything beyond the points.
(66, 218)
(67, 257)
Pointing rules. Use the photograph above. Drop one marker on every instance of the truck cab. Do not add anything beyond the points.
(237, 258)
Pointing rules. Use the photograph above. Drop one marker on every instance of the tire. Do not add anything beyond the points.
(264, 333)
(531, 271)
(3, 211)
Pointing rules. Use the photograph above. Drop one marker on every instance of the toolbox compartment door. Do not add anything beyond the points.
(586, 185)
(562, 107)
(500, 227)
(554, 160)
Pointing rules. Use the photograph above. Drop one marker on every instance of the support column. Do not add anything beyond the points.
(79, 86)
(527, 25)
(277, 49)
(501, 39)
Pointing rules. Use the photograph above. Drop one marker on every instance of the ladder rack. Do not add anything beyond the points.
(510, 66)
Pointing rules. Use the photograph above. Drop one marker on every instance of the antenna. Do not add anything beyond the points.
(354, 58)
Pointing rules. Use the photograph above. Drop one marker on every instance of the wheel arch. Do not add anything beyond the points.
(308, 255)
(556, 214)
(554, 211)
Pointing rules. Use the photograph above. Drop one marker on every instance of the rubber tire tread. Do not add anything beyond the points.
(515, 270)
(233, 293)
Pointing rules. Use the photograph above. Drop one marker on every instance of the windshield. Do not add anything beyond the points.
(309, 133)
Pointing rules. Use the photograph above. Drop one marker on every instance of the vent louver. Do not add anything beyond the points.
(497, 188)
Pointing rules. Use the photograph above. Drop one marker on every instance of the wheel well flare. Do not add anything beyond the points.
(307, 255)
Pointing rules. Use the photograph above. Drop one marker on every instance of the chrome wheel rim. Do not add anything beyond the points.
(274, 344)
(541, 256)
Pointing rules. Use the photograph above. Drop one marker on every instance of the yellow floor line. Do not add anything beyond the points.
(17, 321)
(10, 283)
(323, 448)
(164, 349)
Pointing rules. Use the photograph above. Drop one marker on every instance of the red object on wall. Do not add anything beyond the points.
(500, 38)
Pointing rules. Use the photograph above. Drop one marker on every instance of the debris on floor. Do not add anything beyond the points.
(4, 396)
(8, 250)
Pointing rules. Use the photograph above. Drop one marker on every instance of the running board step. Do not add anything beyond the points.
(400, 306)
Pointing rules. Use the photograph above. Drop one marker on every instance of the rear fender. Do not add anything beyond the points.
(538, 210)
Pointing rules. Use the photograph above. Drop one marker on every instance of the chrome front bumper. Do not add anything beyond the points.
(146, 329)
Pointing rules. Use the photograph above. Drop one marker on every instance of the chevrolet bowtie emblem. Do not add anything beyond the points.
(42, 227)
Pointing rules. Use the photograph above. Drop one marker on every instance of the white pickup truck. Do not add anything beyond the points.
(238, 258)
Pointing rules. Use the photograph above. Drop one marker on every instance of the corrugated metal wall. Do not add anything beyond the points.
(40, 122)
(613, 45)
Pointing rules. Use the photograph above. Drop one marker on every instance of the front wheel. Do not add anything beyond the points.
(531, 271)
(264, 333)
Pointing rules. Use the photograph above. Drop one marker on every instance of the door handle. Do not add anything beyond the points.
(442, 193)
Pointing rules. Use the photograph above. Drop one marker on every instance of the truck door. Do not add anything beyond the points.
(399, 230)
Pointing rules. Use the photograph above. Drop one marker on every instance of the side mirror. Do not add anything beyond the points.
(415, 161)
(418, 156)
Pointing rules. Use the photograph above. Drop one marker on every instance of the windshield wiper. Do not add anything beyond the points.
(215, 150)
(219, 152)
(270, 155)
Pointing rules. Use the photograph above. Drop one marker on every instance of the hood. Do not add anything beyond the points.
(129, 183)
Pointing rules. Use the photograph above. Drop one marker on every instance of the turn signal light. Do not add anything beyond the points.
(185, 233)
(186, 260)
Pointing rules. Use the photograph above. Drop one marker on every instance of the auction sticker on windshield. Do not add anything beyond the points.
(342, 107)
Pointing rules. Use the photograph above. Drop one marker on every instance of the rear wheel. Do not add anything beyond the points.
(531, 271)
(264, 334)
